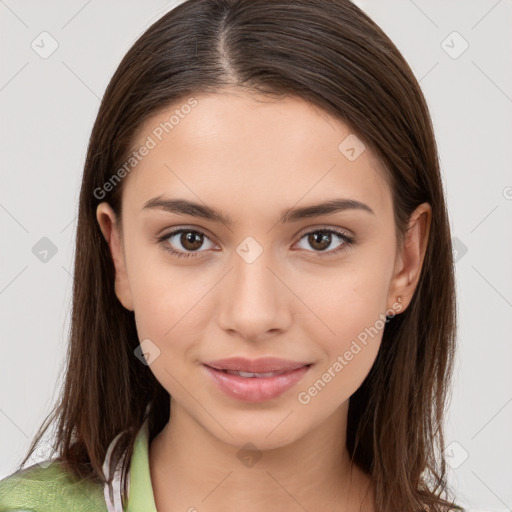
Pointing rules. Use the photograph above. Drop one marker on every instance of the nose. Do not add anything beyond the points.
(255, 302)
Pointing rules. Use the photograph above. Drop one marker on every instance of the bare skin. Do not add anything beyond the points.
(251, 158)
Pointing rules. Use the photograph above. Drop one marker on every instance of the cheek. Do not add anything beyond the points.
(347, 344)
(346, 329)
(337, 379)
(164, 293)
(172, 312)
(344, 301)
(170, 304)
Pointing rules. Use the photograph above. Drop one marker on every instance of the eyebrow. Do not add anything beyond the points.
(186, 207)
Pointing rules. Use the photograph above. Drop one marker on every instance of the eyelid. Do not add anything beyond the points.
(325, 227)
(301, 233)
(177, 229)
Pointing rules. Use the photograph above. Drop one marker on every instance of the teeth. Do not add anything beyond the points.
(249, 374)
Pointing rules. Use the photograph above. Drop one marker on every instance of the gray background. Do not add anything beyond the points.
(48, 107)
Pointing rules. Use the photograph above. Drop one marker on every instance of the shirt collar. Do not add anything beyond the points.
(140, 489)
(140, 497)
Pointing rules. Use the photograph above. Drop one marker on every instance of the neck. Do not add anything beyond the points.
(192, 468)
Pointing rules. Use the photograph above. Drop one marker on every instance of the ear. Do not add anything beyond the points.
(111, 232)
(410, 258)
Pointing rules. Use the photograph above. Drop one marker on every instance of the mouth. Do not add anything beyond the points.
(251, 374)
(256, 386)
(260, 366)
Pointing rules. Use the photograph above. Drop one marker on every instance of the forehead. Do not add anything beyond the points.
(233, 144)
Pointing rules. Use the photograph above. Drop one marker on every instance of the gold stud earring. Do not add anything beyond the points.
(399, 299)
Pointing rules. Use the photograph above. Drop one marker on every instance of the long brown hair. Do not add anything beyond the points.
(329, 53)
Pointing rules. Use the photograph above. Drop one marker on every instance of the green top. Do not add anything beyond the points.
(51, 489)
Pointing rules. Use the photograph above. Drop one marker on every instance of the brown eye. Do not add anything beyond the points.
(321, 239)
(191, 240)
(184, 242)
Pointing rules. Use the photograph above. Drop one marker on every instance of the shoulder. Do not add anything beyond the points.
(49, 488)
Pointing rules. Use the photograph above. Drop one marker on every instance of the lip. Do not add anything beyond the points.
(261, 365)
(257, 389)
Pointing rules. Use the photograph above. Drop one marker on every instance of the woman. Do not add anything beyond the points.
(264, 304)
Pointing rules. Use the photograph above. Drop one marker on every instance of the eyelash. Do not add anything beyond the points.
(348, 241)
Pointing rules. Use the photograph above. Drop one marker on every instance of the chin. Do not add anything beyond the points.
(267, 433)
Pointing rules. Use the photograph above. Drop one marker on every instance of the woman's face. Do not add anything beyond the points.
(268, 280)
